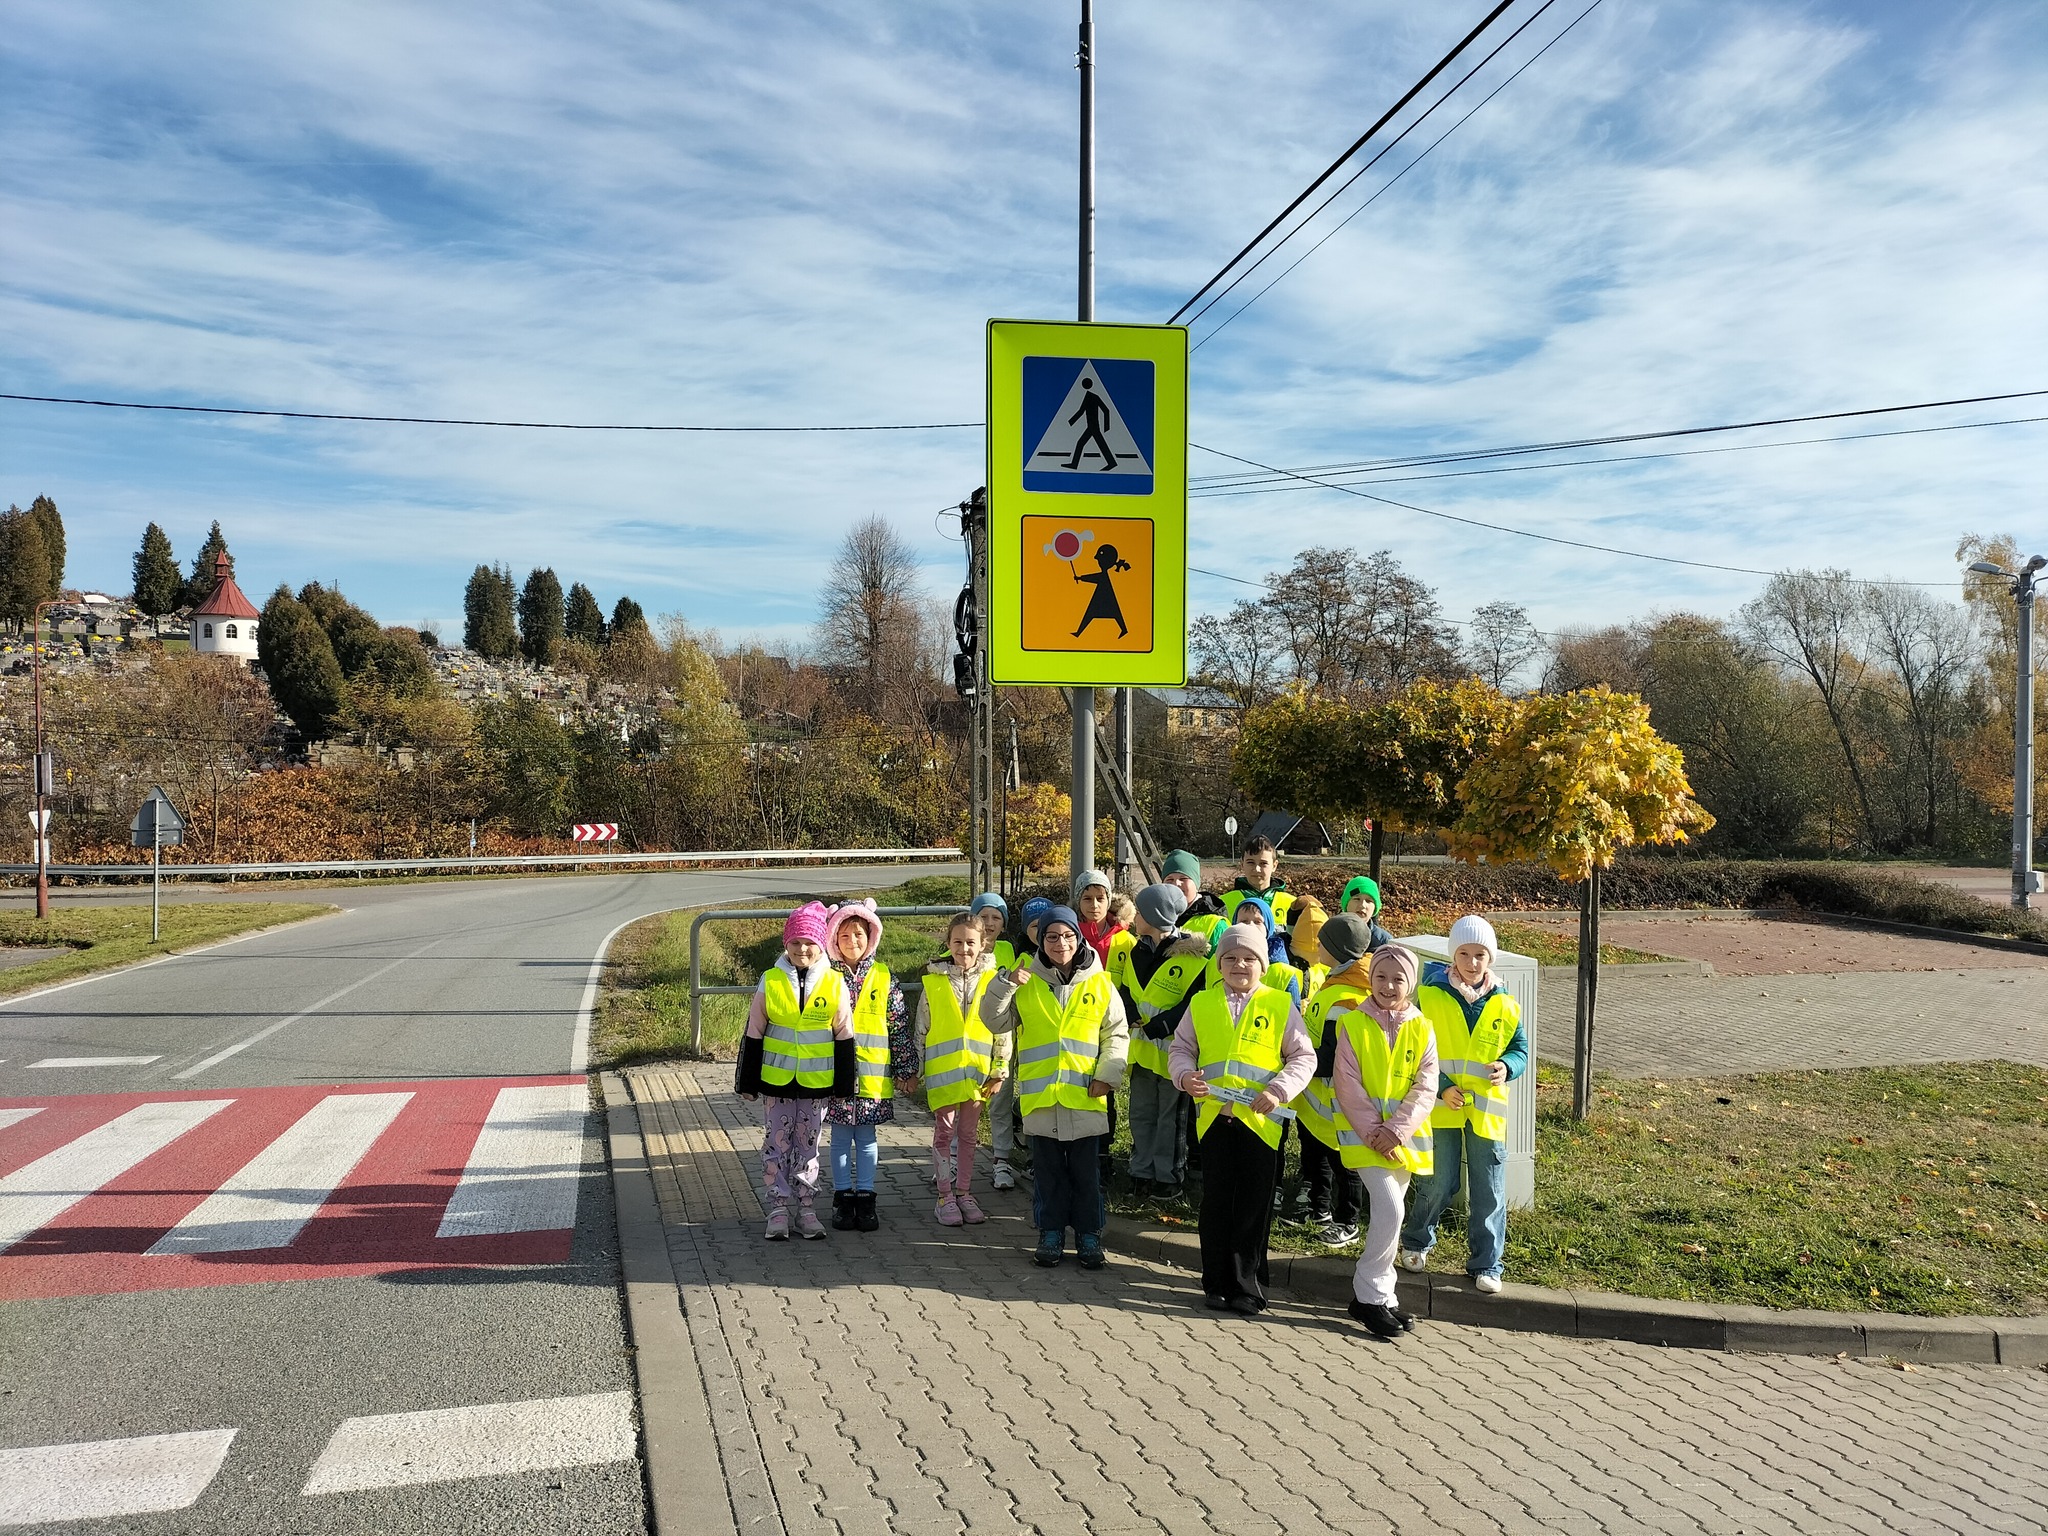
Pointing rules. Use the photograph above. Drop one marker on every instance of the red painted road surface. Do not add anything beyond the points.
(66, 1230)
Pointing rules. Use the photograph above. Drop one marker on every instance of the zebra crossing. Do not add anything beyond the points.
(107, 1193)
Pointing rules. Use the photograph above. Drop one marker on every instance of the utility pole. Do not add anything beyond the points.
(2023, 590)
(971, 680)
(45, 770)
(1081, 855)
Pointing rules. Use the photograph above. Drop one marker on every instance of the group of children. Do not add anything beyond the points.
(1227, 1019)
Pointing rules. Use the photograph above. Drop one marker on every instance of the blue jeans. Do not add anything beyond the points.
(854, 1156)
(1486, 1223)
(1066, 1188)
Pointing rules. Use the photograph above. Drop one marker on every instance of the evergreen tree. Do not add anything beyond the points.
(626, 614)
(298, 659)
(157, 582)
(205, 569)
(582, 619)
(44, 511)
(24, 566)
(540, 616)
(487, 626)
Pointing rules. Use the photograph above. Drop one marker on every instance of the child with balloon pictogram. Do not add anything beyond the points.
(1102, 603)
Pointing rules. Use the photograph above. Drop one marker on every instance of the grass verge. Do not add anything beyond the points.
(1919, 1190)
(99, 938)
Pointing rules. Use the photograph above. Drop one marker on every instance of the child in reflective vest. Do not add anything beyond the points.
(1240, 1053)
(797, 1052)
(1361, 898)
(881, 1047)
(1154, 979)
(962, 1065)
(1385, 1081)
(1481, 1048)
(1334, 1192)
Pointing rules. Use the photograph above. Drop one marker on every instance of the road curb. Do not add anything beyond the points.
(2010, 1341)
(686, 1488)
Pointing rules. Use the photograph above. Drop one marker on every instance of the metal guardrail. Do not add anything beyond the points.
(763, 856)
(698, 991)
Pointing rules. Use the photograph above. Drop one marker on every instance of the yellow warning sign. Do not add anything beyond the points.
(1087, 488)
(1087, 584)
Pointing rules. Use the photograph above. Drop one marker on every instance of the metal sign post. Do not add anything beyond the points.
(157, 825)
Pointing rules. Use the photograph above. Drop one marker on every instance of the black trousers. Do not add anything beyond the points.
(1332, 1188)
(1238, 1174)
(1106, 1142)
(1066, 1186)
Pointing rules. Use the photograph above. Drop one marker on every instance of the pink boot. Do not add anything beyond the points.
(948, 1210)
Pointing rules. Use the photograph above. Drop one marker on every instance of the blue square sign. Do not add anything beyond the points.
(1088, 426)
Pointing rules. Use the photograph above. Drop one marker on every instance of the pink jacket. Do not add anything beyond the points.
(1297, 1052)
(1412, 1113)
(806, 982)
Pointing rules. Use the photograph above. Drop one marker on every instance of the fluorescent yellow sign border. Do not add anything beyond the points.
(1166, 348)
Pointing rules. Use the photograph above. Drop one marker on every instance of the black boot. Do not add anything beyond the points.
(842, 1210)
(864, 1213)
(1378, 1320)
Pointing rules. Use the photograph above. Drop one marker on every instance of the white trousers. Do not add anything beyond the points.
(1385, 1190)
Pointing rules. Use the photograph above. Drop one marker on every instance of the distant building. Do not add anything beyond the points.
(225, 624)
(1193, 711)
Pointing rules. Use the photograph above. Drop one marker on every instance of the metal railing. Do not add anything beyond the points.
(752, 856)
(698, 991)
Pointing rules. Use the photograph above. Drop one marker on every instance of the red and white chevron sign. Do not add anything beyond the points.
(594, 831)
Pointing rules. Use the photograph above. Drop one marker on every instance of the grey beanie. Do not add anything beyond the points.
(1345, 938)
(1089, 880)
(1161, 905)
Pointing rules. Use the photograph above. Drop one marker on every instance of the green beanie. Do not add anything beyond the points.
(1181, 862)
(1362, 884)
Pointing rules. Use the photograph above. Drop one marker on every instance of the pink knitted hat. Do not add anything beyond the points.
(805, 924)
(1396, 957)
(861, 912)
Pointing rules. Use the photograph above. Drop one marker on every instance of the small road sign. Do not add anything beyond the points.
(1084, 588)
(39, 820)
(157, 824)
(1230, 826)
(594, 831)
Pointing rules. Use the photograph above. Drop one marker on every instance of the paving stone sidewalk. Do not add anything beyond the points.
(925, 1380)
(1658, 1024)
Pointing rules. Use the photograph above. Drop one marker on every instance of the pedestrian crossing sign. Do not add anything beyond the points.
(1085, 589)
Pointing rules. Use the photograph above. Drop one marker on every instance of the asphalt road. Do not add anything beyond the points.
(383, 1303)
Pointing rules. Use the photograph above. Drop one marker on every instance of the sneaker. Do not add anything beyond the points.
(778, 1225)
(1336, 1234)
(1488, 1283)
(1165, 1191)
(971, 1211)
(865, 1215)
(1378, 1320)
(1006, 1176)
(948, 1210)
(1216, 1303)
(1316, 1218)
(1089, 1244)
(807, 1224)
(1052, 1247)
(1141, 1189)
(1411, 1259)
(842, 1210)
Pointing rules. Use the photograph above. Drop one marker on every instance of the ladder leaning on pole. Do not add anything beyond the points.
(1109, 777)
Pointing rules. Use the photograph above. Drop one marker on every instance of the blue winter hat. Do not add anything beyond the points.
(1034, 912)
(986, 901)
(1065, 916)
(1276, 941)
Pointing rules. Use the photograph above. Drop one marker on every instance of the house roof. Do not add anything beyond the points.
(226, 601)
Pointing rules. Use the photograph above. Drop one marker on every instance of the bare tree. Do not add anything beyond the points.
(1501, 641)
(1811, 621)
(1353, 624)
(1240, 654)
(1927, 646)
(874, 625)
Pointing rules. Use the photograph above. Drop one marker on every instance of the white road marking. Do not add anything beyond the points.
(278, 1191)
(265, 1033)
(107, 1479)
(446, 1444)
(38, 1193)
(579, 1039)
(93, 1061)
(16, 1116)
(183, 954)
(522, 1173)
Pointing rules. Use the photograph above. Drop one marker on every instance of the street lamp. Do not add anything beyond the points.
(2022, 584)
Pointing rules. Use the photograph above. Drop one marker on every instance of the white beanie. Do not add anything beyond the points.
(1474, 930)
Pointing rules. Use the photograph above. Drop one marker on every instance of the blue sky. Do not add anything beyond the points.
(1689, 211)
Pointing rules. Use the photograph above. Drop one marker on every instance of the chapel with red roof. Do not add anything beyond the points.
(225, 624)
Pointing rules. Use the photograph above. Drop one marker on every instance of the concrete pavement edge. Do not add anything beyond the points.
(2011, 1341)
(686, 1488)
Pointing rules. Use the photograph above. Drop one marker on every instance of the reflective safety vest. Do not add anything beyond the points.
(958, 1048)
(1174, 979)
(1208, 926)
(797, 1045)
(1316, 1105)
(1280, 902)
(1239, 1053)
(1005, 953)
(1279, 974)
(1121, 943)
(1387, 1073)
(1463, 1055)
(871, 1036)
(1057, 1048)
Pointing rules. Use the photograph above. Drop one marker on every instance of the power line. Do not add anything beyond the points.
(1547, 538)
(1338, 164)
(1389, 184)
(1266, 487)
(458, 421)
